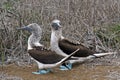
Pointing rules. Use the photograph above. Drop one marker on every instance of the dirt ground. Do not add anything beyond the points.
(99, 69)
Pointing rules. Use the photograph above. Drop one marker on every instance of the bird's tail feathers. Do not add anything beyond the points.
(103, 54)
(60, 62)
(97, 55)
(67, 57)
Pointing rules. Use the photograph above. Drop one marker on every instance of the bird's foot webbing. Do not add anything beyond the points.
(42, 71)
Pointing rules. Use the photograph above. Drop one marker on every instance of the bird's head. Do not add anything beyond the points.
(35, 37)
(56, 24)
(33, 28)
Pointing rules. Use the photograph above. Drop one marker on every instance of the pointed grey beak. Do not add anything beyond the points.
(25, 28)
(60, 26)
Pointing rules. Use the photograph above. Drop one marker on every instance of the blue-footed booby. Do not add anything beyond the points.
(45, 59)
(64, 46)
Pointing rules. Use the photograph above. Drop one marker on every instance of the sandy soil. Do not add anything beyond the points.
(79, 72)
(106, 68)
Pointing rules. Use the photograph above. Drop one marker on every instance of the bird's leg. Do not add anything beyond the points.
(66, 66)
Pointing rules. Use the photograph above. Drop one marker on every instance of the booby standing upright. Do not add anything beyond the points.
(44, 58)
(63, 46)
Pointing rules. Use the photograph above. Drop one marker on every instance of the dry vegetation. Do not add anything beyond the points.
(95, 22)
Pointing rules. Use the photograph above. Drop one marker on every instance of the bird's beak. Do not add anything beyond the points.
(59, 25)
(25, 28)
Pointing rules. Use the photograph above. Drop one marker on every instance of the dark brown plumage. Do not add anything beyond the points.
(67, 47)
(45, 56)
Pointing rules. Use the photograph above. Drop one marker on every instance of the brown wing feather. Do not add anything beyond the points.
(44, 56)
(67, 47)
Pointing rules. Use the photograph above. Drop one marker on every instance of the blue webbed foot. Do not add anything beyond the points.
(42, 71)
(66, 66)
